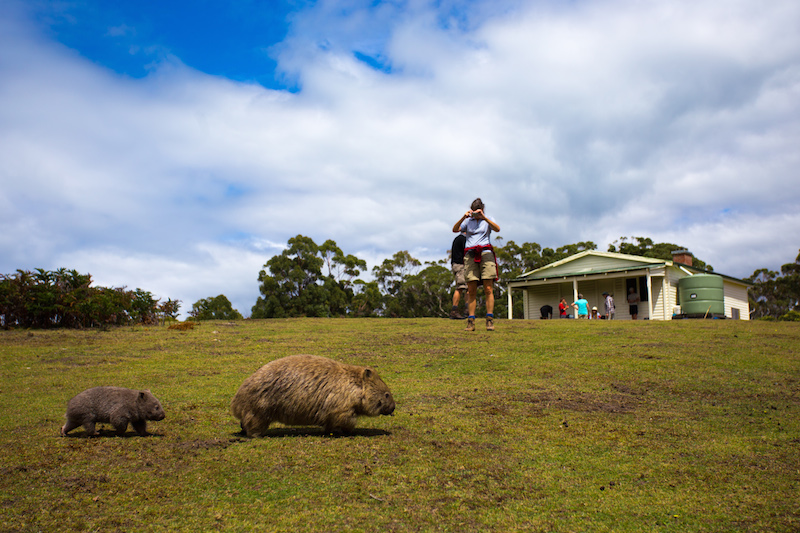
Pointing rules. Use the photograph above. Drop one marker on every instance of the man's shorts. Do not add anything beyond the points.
(634, 309)
(458, 273)
(486, 269)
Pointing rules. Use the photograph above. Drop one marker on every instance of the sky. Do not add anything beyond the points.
(177, 146)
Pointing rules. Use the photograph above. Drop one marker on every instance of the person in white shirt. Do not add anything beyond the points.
(479, 260)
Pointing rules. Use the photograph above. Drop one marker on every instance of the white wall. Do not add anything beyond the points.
(736, 298)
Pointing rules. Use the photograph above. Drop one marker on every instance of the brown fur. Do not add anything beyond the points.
(308, 390)
(182, 326)
(117, 406)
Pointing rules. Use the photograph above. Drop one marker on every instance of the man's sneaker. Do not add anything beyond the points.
(455, 315)
(470, 324)
(489, 323)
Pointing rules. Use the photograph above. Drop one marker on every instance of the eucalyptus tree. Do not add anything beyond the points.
(776, 294)
(214, 308)
(293, 283)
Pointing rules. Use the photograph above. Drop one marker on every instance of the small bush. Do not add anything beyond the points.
(182, 326)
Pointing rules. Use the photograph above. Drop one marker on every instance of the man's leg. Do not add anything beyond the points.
(454, 314)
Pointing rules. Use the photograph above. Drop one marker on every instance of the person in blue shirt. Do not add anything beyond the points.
(582, 306)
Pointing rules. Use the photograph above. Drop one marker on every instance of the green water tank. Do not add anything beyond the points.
(702, 295)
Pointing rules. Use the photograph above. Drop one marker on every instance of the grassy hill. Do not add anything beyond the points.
(538, 426)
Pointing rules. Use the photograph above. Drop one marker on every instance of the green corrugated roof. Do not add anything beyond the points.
(631, 262)
(535, 275)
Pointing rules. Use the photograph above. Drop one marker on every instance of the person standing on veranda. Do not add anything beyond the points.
(633, 303)
(582, 307)
(611, 310)
(479, 261)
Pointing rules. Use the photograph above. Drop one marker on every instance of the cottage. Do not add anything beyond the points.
(657, 282)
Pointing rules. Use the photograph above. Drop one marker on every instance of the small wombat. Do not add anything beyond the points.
(308, 390)
(117, 406)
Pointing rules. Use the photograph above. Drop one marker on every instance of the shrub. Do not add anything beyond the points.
(64, 298)
(791, 316)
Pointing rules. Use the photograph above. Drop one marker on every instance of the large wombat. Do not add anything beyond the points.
(307, 390)
(117, 406)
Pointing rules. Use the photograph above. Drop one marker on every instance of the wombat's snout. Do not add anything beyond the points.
(387, 405)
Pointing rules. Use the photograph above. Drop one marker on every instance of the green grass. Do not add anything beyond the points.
(538, 426)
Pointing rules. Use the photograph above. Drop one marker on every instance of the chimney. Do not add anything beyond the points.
(683, 257)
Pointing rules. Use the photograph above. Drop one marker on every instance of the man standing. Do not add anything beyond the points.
(457, 266)
(633, 303)
(610, 309)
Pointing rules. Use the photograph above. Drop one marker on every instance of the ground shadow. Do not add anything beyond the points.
(318, 432)
(106, 433)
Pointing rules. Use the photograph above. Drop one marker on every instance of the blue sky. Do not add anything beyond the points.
(176, 146)
(226, 39)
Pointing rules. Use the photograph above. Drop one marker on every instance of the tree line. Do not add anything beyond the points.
(65, 298)
(307, 279)
(313, 280)
(776, 294)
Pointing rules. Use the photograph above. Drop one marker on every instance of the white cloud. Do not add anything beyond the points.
(734, 245)
(207, 270)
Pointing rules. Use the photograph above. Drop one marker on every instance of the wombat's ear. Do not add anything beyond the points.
(141, 395)
(367, 373)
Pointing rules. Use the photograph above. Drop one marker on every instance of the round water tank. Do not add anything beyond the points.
(702, 295)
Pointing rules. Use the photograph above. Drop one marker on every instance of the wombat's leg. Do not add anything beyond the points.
(140, 426)
(69, 426)
(120, 422)
(341, 423)
(255, 426)
(88, 427)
